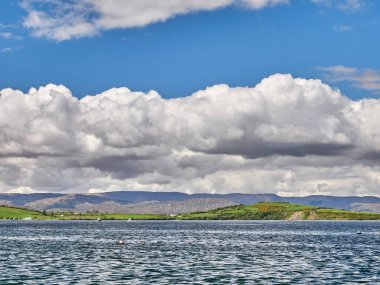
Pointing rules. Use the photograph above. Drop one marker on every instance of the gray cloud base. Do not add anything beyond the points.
(286, 135)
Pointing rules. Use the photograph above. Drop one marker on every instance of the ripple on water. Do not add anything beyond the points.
(172, 252)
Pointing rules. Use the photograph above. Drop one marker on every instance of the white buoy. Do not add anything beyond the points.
(121, 242)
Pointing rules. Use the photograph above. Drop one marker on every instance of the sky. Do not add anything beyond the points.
(218, 96)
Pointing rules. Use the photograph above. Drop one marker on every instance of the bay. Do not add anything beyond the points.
(189, 252)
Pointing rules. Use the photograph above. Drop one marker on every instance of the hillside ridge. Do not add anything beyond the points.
(258, 211)
(166, 202)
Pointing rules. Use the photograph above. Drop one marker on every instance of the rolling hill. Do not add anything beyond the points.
(173, 202)
(258, 211)
(278, 211)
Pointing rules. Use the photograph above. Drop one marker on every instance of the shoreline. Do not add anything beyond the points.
(262, 211)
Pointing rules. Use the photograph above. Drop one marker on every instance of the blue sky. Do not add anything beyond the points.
(235, 45)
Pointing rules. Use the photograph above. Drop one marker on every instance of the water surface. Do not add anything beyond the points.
(181, 252)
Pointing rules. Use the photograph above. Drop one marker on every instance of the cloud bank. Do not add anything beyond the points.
(286, 135)
(62, 20)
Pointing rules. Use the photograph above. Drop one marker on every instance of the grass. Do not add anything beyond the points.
(328, 214)
(19, 214)
(113, 216)
(278, 211)
(259, 211)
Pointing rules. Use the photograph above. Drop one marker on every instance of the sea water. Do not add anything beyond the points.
(189, 252)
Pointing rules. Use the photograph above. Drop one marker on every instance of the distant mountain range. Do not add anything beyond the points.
(173, 202)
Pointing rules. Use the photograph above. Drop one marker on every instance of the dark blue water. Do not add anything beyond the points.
(177, 252)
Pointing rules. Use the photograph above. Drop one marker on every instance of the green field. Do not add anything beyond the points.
(259, 211)
(278, 211)
(19, 214)
(113, 216)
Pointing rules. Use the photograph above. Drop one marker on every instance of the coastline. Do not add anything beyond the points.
(276, 211)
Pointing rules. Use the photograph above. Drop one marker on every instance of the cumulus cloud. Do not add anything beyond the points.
(285, 135)
(62, 20)
(368, 79)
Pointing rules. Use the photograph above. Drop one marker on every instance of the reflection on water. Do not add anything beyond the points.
(179, 252)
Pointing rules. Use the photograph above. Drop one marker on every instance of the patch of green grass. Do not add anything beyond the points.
(19, 213)
(277, 211)
(335, 214)
(282, 206)
(114, 216)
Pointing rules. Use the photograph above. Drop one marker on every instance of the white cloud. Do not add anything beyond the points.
(340, 69)
(342, 28)
(6, 35)
(368, 79)
(285, 135)
(260, 4)
(6, 49)
(343, 5)
(9, 36)
(63, 20)
(21, 190)
(351, 5)
(2, 26)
